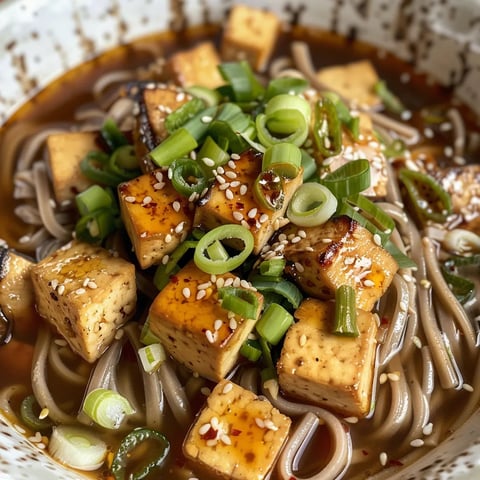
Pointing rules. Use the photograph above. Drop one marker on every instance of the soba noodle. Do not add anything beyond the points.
(425, 355)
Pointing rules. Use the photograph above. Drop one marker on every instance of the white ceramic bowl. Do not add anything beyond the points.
(41, 39)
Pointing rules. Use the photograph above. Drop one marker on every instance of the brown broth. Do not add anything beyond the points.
(60, 99)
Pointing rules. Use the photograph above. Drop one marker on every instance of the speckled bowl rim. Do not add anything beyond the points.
(40, 39)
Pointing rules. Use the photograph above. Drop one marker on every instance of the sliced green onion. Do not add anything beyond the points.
(426, 197)
(216, 251)
(285, 159)
(463, 288)
(187, 176)
(463, 260)
(225, 131)
(211, 156)
(345, 312)
(95, 167)
(351, 178)
(312, 204)
(327, 131)
(198, 125)
(344, 114)
(309, 165)
(30, 411)
(244, 85)
(77, 447)
(164, 271)
(209, 96)
(239, 301)
(93, 198)
(285, 85)
(107, 408)
(369, 215)
(288, 290)
(112, 135)
(152, 356)
(176, 145)
(268, 373)
(390, 100)
(234, 232)
(97, 225)
(147, 337)
(272, 267)
(251, 350)
(133, 440)
(274, 323)
(183, 114)
(269, 191)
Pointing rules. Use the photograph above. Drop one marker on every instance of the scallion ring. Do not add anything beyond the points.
(351, 178)
(239, 301)
(274, 323)
(285, 159)
(188, 176)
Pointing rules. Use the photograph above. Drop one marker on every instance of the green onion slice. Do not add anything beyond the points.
(125, 160)
(272, 267)
(389, 99)
(309, 165)
(327, 131)
(233, 232)
(288, 290)
(107, 408)
(274, 323)
(97, 225)
(77, 447)
(429, 201)
(244, 85)
(269, 191)
(312, 204)
(285, 85)
(152, 356)
(95, 167)
(345, 312)
(344, 115)
(351, 178)
(211, 97)
(133, 440)
(30, 411)
(285, 159)
(183, 114)
(239, 301)
(93, 198)
(177, 145)
(187, 176)
(251, 350)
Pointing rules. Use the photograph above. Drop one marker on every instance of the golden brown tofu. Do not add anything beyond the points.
(354, 81)
(17, 299)
(188, 318)
(157, 218)
(251, 35)
(155, 103)
(87, 293)
(339, 252)
(237, 435)
(196, 66)
(65, 152)
(231, 200)
(329, 370)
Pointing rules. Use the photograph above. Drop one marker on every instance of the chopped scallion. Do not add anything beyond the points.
(345, 312)
(176, 145)
(239, 301)
(152, 356)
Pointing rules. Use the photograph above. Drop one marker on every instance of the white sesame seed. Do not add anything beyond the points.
(428, 429)
(168, 238)
(232, 324)
(206, 119)
(159, 176)
(85, 282)
(217, 325)
(146, 200)
(227, 388)
(383, 378)
(296, 239)
(377, 239)
(209, 335)
(224, 186)
(204, 428)
(220, 179)
(176, 205)
(270, 425)
(252, 213)
(214, 422)
(351, 419)
(418, 442)
(54, 283)
(61, 289)
(229, 194)
(41, 446)
(243, 189)
(238, 216)
(245, 284)
(179, 227)
(403, 306)
(165, 259)
(129, 199)
(212, 442)
(235, 184)
(416, 341)
(299, 267)
(231, 175)
(208, 162)
(302, 234)
(236, 282)
(368, 283)
(220, 282)
(260, 423)
(302, 340)
(80, 291)
(394, 377)
(467, 387)
(186, 292)
(235, 156)
(201, 294)
(91, 284)
(44, 413)
(225, 439)
(232, 164)
(263, 218)
(383, 458)
(228, 282)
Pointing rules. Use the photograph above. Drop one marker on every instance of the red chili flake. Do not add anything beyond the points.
(210, 434)
(384, 321)
(395, 463)
(234, 432)
(240, 205)
(365, 452)
(173, 278)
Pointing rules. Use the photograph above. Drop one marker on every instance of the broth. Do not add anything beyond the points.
(59, 101)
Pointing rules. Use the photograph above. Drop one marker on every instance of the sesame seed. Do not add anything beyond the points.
(217, 325)
(220, 179)
(299, 267)
(209, 335)
(41, 446)
(179, 227)
(377, 239)
(232, 164)
(61, 289)
(231, 175)
(193, 197)
(206, 119)
(403, 306)
(245, 224)
(260, 423)
(383, 458)
(302, 234)
(296, 239)
(165, 259)
(235, 156)
(204, 428)
(236, 282)
(418, 442)
(214, 422)
(232, 324)
(54, 283)
(302, 340)
(225, 439)
(80, 291)
(205, 391)
(212, 442)
(208, 162)
(176, 205)
(168, 238)
(368, 283)
(252, 213)
(186, 292)
(243, 189)
(425, 283)
(238, 216)
(383, 378)
(227, 388)
(394, 377)
(263, 218)
(467, 387)
(130, 199)
(224, 186)
(428, 429)
(220, 282)
(235, 184)
(91, 284)
(351, 419)
(44, 413)
(228, 282)
(245, 284)
(416, 341)
(229, 194)
(146, 200)
(270, 425)
(201, 294)
(85, 282)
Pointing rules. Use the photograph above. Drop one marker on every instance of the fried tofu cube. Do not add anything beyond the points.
(87, 293)
(17, 299)
(157, 218)
(193, 327)
(354, 81)
(65, 152)
(325, 369)
(237, 203)
(196, 66)
(339, 252)
(251, 35)
(237, 435)
(155, 103)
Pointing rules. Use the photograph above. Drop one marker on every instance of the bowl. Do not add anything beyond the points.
(40, 40)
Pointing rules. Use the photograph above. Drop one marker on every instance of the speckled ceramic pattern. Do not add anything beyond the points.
(40, 39)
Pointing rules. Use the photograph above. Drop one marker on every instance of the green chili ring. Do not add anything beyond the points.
(130, 442)
(224, 232)
(183, 171)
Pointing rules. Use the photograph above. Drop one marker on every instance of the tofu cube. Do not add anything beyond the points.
(155, 103)
(354, 81)
(339, 252)
(87, 293)
(65, 152)
(251, 35)
(157, 218)
(237, 435)
(17, 300)
(325, 369)
(194, 328)
(196, 66)
(237, 203)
